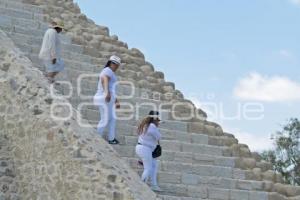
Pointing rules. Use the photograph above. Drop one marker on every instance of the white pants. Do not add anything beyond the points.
(150, 164)
(107, 117)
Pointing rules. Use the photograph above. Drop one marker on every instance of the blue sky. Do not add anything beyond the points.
(227, 52)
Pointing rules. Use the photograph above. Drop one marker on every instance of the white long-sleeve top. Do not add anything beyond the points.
(107, 71)
(51, 47)
(151, 137)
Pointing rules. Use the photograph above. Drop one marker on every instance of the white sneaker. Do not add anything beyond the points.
(156, 188)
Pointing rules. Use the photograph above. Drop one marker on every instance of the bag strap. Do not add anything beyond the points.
(158, 142)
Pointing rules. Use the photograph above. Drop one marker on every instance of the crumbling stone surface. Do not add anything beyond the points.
(44, 158)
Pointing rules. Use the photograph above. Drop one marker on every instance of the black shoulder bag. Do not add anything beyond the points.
(157, 151)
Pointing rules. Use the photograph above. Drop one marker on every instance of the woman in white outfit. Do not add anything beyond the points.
(106, 99)
(149, 137)
(50, 52)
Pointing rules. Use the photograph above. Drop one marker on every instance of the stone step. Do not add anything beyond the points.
(132, 90)
(21, 14)
(134, 107)
(171, 125)
(21, 25)
(168, 135)
(200, 170)
(9, 23)
(167, 124)
(21, 6)
(166, 127)
(74, 65)
(124, 94)
(206, 192)
(233, 196)
(72, 68)
(184, 157)
(168, 197)
(204, 157)
(23, 30)
(186, 142)
(129, 90)
(69, 51)
(19, 1)
(18, 35)
(169, 128)
(36, 41)
(189, 179)
(171, 134)
(176, 146)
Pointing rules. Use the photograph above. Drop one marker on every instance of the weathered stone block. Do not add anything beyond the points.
(239, 195)
(214, 193)
(189, 179)
(169, 178)
(258, 195)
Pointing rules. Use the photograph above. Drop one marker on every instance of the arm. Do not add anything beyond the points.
(153, 130)
(105, 81)
(52, 41)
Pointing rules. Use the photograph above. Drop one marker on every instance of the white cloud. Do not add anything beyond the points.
(263, 88)
(256, 142)
(297, 2)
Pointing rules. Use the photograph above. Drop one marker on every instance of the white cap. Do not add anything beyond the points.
(115, 59)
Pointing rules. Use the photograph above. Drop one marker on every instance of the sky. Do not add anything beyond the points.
(238, 60)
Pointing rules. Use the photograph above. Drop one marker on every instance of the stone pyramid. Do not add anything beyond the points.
(200, 160)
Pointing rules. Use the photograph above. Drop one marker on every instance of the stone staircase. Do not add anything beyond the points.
(199, 160)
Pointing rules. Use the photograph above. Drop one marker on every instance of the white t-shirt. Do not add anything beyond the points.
(107, 71)
(151, 137)
(51, 47)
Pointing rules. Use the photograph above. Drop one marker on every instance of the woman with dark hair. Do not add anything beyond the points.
(106, 99)
(149, 137)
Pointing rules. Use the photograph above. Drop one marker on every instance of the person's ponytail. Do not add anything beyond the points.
(143, 126)
(108, 64)
(145, 123)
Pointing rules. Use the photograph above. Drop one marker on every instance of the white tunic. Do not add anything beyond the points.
(51, 47)
(99, 96)
(151, 137)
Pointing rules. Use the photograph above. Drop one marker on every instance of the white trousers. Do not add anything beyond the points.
(107, 117)
(150, 164)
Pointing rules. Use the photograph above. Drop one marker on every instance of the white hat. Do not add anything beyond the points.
(115, 59)
(57, 24)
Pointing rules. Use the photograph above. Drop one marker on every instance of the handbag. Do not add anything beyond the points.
(157, 151)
